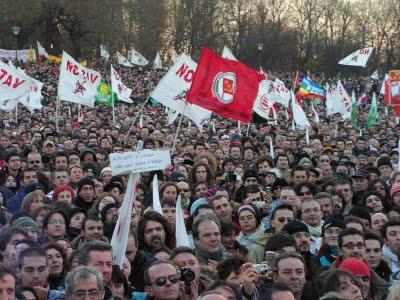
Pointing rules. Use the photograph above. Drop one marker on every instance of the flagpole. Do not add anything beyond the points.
(248, 129)
(177, 131)
(16, 113)
(136, 116)
(57, 111)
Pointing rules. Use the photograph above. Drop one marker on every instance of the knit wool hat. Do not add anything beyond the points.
(24, 222)
(295, 226)
(395, 189)
(384, 161)
(85, 181)
(355, 266)
(334, 220)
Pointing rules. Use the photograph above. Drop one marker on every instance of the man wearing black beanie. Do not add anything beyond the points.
(301, 234)
(85, 196)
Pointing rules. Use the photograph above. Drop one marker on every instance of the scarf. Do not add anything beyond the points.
(391, 258)
(203, 256)
(79, 202)
(315, 231)
(258, 237)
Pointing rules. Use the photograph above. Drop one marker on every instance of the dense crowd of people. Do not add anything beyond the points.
(298, 219)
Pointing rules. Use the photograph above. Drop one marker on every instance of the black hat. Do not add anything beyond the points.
(113, 184)
(384, 161)
(85, 181)
(361, 174)
(250, 173)
(33, 187)
(334, 220)
(295, 226)
(177, 176)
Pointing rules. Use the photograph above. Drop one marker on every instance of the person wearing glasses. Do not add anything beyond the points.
(162, 281)
(83, 283)
(32, 271)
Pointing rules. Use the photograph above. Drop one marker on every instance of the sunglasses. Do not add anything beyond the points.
(160, 281)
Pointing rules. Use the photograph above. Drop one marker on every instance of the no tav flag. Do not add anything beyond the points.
(121, 90)
(358, 58)
(226, 87)
(77, 84)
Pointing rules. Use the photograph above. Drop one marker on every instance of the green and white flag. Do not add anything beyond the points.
(104, 95)
(373, 113)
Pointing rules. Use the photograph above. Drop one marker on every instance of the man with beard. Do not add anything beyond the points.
(109, 217)
(153, 232)
(301, 234)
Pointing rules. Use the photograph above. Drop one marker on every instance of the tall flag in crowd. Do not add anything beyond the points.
(375, 75)
(309, 89)
(226, 87)
(345, 101)
(137, 59)
(299, 116)
(265, 99)
(226, 53)
(157, 62)
(373, 113)
(121, 90)
(172, 89)
(77, 84)
(181, 236)
(358, 58)
(123, 61)
(353, 109)
(362, 99)
(104, 53)
(42, 53)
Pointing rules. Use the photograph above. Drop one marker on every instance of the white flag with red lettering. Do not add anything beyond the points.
(345, 101)
(13, 83)
(281, 92)
(42, 53)
(77, 84)
(172, 88)
(358, 58)
(265, 100)
(121, 90)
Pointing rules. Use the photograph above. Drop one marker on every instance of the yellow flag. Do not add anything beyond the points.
(31, 55)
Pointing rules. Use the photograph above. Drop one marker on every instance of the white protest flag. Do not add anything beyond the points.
(333, 104)
(157, 62)
(77, 84)
(120, 235)
(137, 58)
(172, 115)
(13, 84)
(33, 99)
(307, 136)
(123, 61)
(299, 116)
(9, 104)
(121, 90)
(281, 92)
(156, 196)
(42, 53)
(181, 235)
(358, 58)
(385, 79)
(174, 56)
(345, 101)
(271, 148)
(141, 121)
(375, 75)
(226, 53)
(104, 53)
(265, 99)
(172, 88)
(316, 117)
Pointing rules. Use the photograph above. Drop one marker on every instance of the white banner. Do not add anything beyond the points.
(123, 93)
(172, 88)
(77, 84)
(103, 52)
(13, 84)
(21, 54)
(345, 101)
(137, 162)
(157, 62)
(358, 58)
(281, 92)
(226, 53)
(265, 99)
(138, 59)
(123, 61)
(120, 235)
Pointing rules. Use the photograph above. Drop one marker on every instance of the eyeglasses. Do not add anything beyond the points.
(306, 193)
(309, 210)
(160, 281)
(93, 294)
(351, 246)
